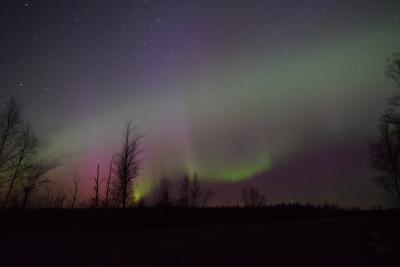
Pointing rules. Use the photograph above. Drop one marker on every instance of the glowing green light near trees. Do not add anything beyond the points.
(227, 174)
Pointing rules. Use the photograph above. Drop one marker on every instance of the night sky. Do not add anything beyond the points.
(281, 95)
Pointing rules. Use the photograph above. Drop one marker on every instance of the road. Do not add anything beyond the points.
(347, 241)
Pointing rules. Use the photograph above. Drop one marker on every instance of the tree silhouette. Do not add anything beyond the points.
(184, 191)
(393, 68)
(108, 183)
(195, 192)
(56, 198)
(127, 164)
(164, 199)
(96, 188)
(10, 125)
(191, 194)
(75, 192)
(35, 179)
(59, 199)
(208, 195)
(385, 152)
(27, 148)
(21, 169)
(252, 198)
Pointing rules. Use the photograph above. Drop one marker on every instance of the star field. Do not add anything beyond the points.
(282, 95)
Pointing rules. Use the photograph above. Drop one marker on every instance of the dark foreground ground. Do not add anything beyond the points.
(362, 239)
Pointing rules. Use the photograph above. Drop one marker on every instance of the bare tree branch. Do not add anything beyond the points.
(96, 188)
(27, 149)
(108, 183)
(127, 164)
(75, 192)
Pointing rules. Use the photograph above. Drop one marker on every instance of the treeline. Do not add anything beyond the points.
(191, 194)
(25, 182)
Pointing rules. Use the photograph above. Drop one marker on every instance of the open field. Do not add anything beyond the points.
(352, 240)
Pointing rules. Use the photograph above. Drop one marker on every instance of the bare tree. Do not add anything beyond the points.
(191, 195)
(385, 156)
(195, 192)
(392, 72)
(35, 179)
(10, 125)
(21, 170)
(96, 188)
(252, 198)
(48, 196)
(385, 151)
(27, 149)
(55, 198)
(393, 68)
(184, 191)
(164, 194)
(127, 164)
(108, 183)
(75, 192)
(208, 195)
(59, 199)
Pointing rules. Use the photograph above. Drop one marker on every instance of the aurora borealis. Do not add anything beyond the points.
(283, 95)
